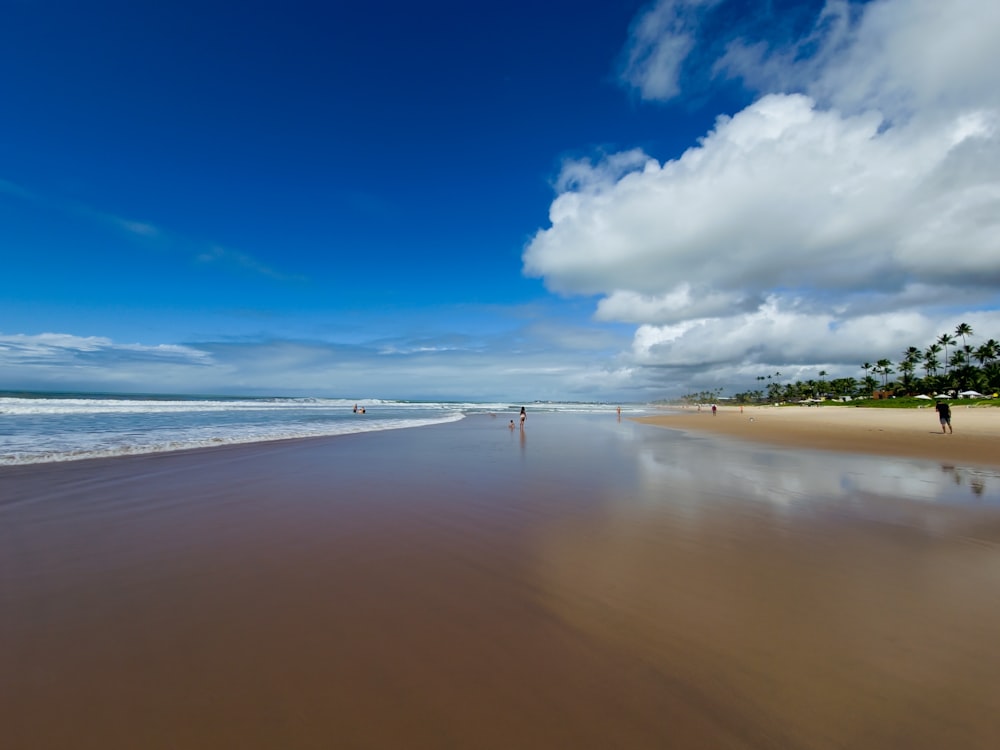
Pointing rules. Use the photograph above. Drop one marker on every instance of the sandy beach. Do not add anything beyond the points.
(590, 583)
(887, 432)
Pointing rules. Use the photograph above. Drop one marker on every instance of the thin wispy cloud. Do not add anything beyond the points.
(11, 188)
(660, 41)
(210, 254)
(448, 366)
(224, 257)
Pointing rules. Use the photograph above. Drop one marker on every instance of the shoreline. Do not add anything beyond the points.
(905, 433)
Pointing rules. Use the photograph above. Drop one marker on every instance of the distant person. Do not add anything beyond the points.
(512, 425)
(619, 412)
(944, 414)
(524, 416)
(355, 408)
(713, 410)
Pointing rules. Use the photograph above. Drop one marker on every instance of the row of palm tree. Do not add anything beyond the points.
(955, 371)
(959, 370)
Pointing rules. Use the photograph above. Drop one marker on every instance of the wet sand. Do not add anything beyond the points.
(593, 583)
(888, 432)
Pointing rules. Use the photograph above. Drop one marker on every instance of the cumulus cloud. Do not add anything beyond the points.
(781, 194)
(859, 194)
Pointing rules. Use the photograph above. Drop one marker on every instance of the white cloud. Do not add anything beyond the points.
(858, 197)
(914, 57)
(683, 302)
(63, 349)
(782, 194)
(660, 40)
(529, 360)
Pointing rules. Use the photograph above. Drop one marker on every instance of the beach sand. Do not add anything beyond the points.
(590, 583)
(888, 432)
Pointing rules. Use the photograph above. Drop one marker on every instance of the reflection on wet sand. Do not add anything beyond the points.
(615, 585)
(975, 478)
(808, 600)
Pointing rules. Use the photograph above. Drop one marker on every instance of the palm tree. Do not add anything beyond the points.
(847, 386)
(963, 330)
(958, 359)
(945, 340)
(931, 362)
(962, 371)
(809, 387)
(987, 352)
(907, 366)
(773, 391)
(843, 386)
(991, 374)
(931, 365)
(866, 367)
(884, 366)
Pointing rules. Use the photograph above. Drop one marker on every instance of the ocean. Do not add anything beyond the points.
(48, 427)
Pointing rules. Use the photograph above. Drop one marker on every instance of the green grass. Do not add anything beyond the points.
(907, 402)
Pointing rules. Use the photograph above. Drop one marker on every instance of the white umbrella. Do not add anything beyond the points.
(923, 396)
(941, 395)
(971, 394)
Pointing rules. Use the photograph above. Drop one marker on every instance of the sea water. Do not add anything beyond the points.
(41, 428)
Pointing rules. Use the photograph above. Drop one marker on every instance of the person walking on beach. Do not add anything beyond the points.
(713, 410)
(524, 415)
(944, 414)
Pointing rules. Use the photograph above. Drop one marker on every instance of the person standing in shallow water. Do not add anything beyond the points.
(524, 416)
(944, 414)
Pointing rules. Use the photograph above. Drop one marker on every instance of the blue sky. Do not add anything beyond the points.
(608, 201)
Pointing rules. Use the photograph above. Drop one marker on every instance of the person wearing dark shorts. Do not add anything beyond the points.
(944, 413)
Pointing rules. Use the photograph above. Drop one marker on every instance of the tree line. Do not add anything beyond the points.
(946, 365)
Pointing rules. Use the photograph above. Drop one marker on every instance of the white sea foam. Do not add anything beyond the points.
(49, 449)
(71, 427)
(156, 406)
